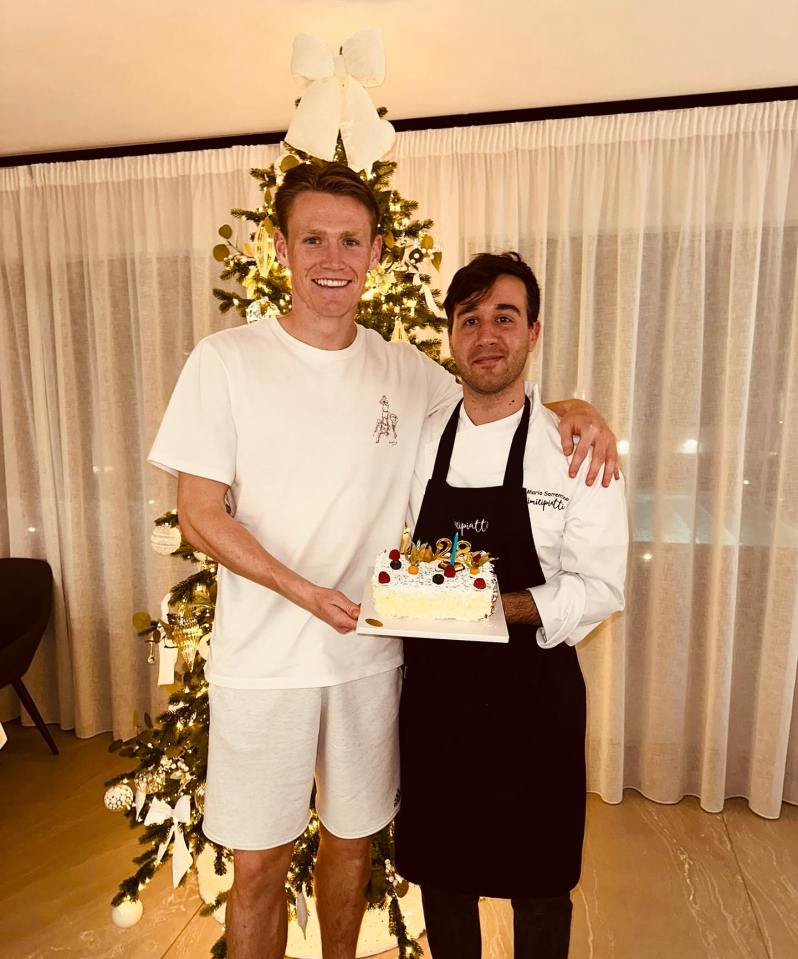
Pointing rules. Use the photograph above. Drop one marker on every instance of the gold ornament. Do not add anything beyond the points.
(250, 282)
(264, 248)
(186, 633)
(166, 540)
(201, 596)
(399, 334)
(150, 780)
(199, 798)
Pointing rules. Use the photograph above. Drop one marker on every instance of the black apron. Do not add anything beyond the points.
(492, 734)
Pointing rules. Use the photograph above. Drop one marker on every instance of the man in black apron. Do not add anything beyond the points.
(492, 735)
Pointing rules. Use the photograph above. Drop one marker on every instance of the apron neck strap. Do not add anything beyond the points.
(446, 446)
(513, 474)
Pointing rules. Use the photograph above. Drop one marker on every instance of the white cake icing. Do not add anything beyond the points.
(417, 596)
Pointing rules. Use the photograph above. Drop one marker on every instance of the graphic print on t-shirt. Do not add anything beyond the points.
(386, 424)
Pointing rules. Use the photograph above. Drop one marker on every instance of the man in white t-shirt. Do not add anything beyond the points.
(310, 429)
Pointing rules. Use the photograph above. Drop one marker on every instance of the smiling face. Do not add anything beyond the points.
(329, 248)
(491, 339)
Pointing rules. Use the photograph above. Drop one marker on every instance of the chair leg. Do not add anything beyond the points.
(27, 701)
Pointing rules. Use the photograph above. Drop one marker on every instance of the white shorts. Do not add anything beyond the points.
(266, 747)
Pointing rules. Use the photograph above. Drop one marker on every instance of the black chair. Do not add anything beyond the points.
(26, 595)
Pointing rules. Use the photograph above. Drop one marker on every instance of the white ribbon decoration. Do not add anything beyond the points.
(335, 99)
(161, 811)
(139, 798)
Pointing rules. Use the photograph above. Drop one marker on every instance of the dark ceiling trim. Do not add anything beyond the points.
(567, 111)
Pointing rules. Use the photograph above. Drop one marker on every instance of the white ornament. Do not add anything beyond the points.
(259, 310)
(211, 884)
(127, 913)
(165, 540)
(119, 798)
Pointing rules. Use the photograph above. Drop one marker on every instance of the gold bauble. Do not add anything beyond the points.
(264, 248)
(186, 633)
(150, 780)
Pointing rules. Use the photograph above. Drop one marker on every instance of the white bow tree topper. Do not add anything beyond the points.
(335, 99)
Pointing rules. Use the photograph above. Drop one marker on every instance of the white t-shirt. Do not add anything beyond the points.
(581, 532)
(318, 448)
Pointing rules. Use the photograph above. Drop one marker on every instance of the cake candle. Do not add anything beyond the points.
(454, 548)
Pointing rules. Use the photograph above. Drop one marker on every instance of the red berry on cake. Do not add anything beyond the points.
(394, 554)
(479, 583)
(384, 577)
(449, 571)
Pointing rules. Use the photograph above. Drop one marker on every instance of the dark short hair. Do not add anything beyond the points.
(333, 178)
(471, 283)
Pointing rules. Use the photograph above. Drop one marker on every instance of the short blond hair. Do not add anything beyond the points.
(333, 178)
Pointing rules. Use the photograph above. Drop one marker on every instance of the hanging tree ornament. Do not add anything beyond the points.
(399, 334)
(200, 595)
(150, 780)
(264, 248)
(186, 633)
(166, 540)
(118, 798)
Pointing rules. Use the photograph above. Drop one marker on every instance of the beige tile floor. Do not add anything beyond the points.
(659, 882)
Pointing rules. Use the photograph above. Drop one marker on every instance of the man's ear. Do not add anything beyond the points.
(280, 247)
(534, 334)
(376, 250)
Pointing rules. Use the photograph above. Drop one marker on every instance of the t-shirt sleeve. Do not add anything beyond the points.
(197, 434)
(442, 388)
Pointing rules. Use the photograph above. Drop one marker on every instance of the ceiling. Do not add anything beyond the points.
(94, 73)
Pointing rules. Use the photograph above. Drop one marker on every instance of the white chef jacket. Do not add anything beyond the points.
(581, 532)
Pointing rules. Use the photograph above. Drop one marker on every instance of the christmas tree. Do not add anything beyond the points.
(164, 793)
(398, 301)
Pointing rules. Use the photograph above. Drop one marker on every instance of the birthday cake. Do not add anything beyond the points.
(441, 583)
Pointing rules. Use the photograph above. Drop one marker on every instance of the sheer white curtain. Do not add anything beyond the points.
(666, 245)
(105, 286)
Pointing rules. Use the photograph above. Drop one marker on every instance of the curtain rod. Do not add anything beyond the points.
(531, 114)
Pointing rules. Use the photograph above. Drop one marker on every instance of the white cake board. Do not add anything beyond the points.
(490, 630)
(374, 935)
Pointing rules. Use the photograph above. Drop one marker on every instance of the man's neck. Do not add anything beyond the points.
(489, 407)
(323, 332)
